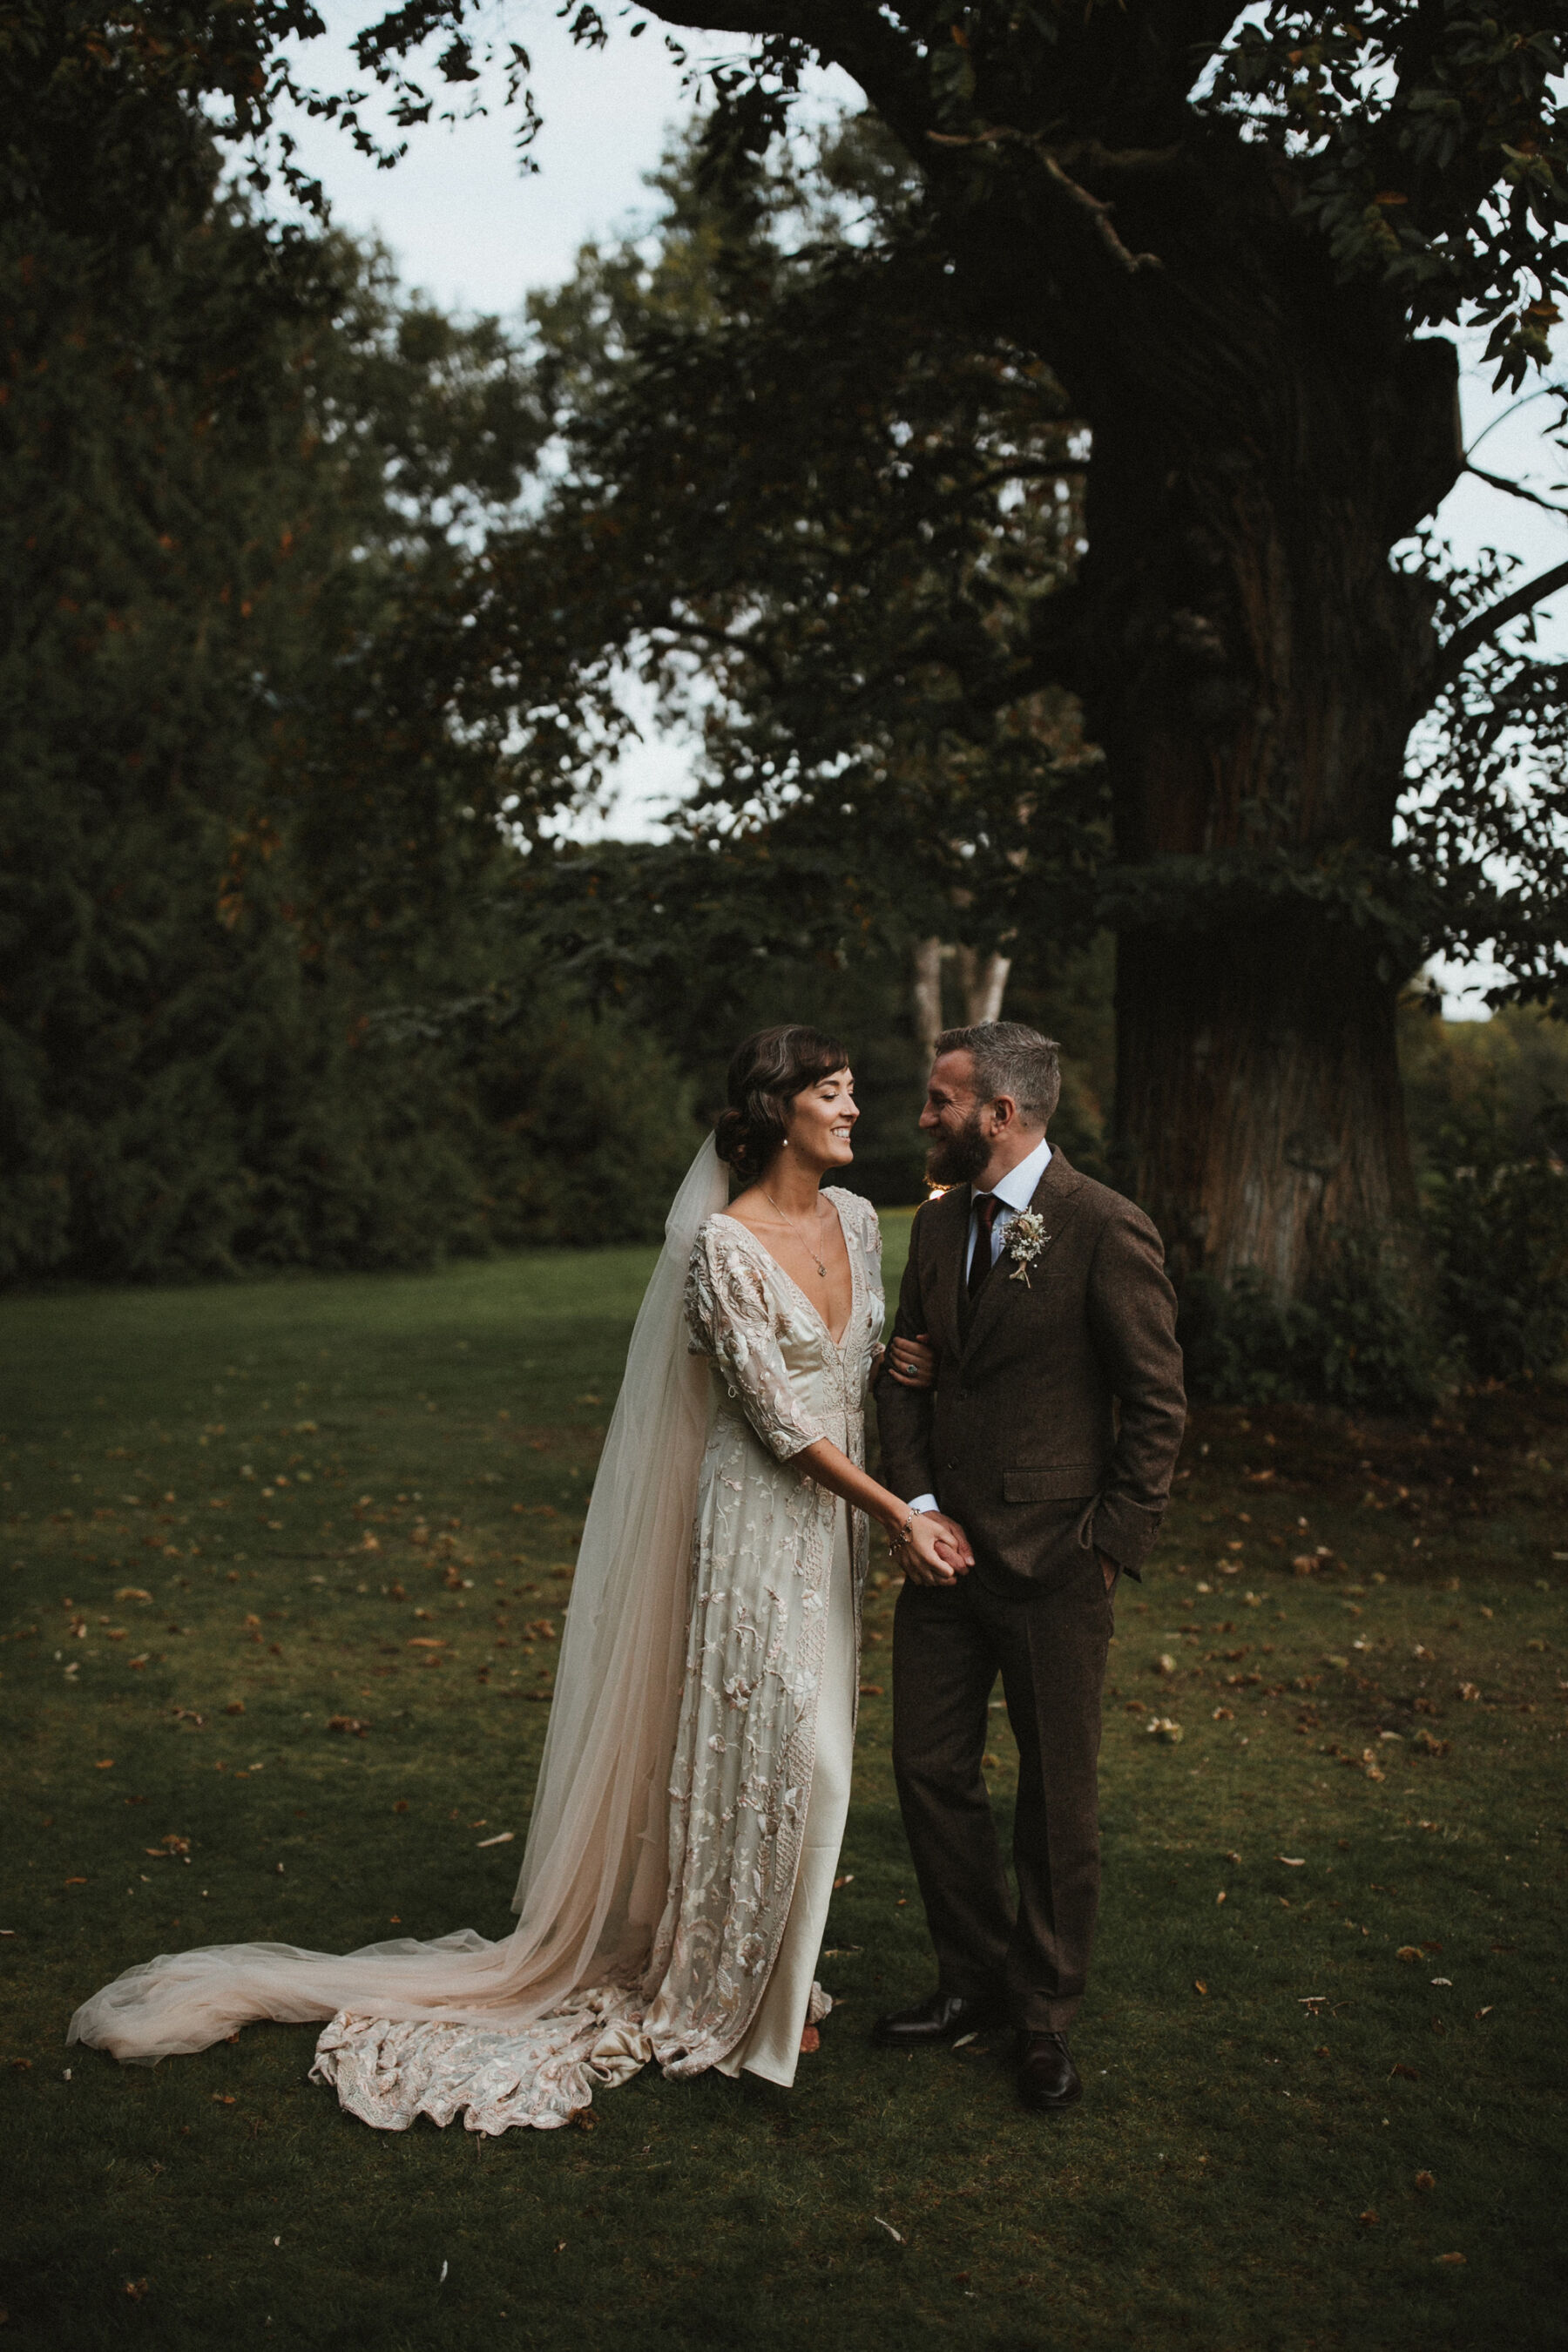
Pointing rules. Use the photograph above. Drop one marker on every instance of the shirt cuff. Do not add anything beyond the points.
(923, 1503)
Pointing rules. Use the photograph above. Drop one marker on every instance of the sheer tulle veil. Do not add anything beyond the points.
(594, 1871)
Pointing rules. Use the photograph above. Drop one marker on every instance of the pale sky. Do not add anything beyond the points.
(467, 229)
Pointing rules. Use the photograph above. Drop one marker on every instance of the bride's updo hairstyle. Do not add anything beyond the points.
(765, 1075)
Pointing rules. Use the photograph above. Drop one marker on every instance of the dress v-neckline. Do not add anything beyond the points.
(805, 1296)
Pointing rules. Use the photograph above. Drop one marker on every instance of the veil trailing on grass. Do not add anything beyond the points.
(595, 1868)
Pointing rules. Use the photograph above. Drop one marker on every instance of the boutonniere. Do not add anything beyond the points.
(1026, 1237)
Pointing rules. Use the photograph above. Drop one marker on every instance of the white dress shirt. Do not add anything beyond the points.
(1014, 1191)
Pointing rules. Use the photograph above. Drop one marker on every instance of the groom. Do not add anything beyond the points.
(1046, 1446)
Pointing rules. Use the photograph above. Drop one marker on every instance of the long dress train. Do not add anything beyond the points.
(695, 1781)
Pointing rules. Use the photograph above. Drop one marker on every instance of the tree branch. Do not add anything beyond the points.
(1514, 489)
(1485, 626)
(1099, 213)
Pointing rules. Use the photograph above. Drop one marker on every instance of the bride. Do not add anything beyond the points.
(695, 1780)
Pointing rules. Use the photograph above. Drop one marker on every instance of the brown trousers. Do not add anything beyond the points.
(949, 1642)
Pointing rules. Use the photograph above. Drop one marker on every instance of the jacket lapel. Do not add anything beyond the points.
(952, 1215)
(1054, 1202)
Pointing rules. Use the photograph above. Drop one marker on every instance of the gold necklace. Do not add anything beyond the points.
(811, 1253)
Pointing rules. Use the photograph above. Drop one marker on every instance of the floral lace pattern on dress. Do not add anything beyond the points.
(740, 1776)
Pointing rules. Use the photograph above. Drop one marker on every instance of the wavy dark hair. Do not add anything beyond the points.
(765, 1075)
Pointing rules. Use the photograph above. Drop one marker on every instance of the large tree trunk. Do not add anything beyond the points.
(1250, 660)
(1258, 1107)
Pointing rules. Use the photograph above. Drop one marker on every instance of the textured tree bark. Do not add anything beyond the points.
(1250, 662)
(1250, 659)
(983, 981)
(925, 992)
(1265, 432)
(1258, 1103)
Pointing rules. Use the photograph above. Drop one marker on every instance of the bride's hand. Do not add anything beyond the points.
(912, 1362)
(926, 1553)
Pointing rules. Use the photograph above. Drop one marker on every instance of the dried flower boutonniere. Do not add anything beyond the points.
(1026, 1237)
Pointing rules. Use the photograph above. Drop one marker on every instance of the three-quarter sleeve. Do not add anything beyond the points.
(731, 1320)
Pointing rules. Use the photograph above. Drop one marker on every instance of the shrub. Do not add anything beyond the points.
(1364, 1335)
(1496, 1220)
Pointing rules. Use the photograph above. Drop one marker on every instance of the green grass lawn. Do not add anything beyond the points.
(1323, 2045)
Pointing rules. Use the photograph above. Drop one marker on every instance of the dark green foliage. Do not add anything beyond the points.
(821, 516)
(1360, 1337)
(1474, 1289)
(249, 777)
(1496, 1220)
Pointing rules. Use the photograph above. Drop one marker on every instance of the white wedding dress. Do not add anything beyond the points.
(695, 1781)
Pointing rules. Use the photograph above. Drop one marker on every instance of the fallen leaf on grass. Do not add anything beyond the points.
(131, 1593)
(1408, 1952)
(1223, 1714)
(1408, 2072)
(870, 1690)
(348, 1723)
(1480, 2013)
(76, 1881)
(234, 1706)
(137, 2288)
(1161, 1727)
(104, 1764)
(1199, 1986)
(1426, 2181)
(223, 2098)
(503, 1837)
(1369, 2217)
(848, 1880)
(1447, 2260)
(892, 2233)
(1292, 1860)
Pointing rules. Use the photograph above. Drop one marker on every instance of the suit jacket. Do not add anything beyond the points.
(1053, 1427)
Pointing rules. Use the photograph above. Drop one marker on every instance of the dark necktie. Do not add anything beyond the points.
(986, 1209)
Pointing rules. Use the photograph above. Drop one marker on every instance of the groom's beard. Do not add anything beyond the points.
(959, 1158)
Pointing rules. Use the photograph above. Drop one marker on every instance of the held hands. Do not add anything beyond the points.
(935, 1551)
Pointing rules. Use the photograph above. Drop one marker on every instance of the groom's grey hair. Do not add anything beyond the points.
(1010, 1059)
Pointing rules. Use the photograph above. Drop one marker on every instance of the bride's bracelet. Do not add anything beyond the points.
(896, 1543)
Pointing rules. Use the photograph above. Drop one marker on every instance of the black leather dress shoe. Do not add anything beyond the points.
(1047, 2079)
(942, 2018)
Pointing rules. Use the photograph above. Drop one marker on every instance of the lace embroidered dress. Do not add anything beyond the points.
(776, 1568)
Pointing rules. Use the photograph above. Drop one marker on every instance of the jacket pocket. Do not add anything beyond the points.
(1064, 1482)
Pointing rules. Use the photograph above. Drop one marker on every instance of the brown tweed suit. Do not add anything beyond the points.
(1051, 1433)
